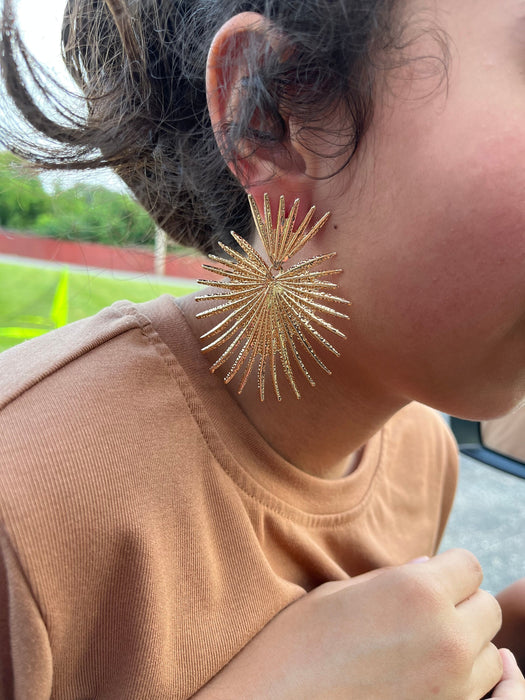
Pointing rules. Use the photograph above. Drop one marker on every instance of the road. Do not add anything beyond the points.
(488, 518)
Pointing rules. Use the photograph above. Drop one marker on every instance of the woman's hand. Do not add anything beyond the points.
(422, 630)
(512, 684)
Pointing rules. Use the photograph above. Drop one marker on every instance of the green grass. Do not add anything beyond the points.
(28, 291)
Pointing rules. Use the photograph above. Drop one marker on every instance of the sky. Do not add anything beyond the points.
(40, 22)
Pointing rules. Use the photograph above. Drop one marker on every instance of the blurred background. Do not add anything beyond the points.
(72, 243)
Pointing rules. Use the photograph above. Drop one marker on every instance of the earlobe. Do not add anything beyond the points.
(228, 74)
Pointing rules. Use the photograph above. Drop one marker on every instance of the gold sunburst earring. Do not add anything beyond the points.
(271, 310)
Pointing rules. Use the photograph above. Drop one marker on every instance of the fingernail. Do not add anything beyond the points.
(419, 560)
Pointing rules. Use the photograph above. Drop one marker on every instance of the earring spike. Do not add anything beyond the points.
(271, 310)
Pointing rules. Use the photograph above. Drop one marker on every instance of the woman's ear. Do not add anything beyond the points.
(229, 71)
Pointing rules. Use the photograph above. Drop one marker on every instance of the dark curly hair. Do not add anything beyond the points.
(140, 67)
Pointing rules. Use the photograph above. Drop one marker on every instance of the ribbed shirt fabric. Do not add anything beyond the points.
(148, 532)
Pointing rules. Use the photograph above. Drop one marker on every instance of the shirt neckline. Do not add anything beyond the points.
(241, 449)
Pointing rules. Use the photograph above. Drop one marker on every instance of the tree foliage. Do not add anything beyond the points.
(82, 212)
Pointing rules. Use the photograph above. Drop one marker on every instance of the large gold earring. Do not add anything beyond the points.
(271, 308)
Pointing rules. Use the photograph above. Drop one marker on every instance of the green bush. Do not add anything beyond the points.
(94, 213)
(83, 212)
(23, 200)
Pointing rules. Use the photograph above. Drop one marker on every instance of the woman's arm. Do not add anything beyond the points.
(26, 668)
(415, 631)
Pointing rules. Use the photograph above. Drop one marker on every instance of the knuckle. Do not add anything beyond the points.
(472, 564)
(491, 610)
(497, 662)
(453, 652)
(489, 673)
(419, 592)
(495, 609)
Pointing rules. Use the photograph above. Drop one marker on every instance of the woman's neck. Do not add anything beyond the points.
(322, 433)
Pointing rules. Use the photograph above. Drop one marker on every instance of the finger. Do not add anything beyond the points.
(336, 586)
(512, 684)
(369, 575)
(419, 560)
(457, 572)
(487, 670)
(481, 615)
(362, 578)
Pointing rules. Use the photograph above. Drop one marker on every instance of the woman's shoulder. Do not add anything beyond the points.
(421, 437)
(25, 366)
(78, 404)
(423, 421)
(89, 419)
